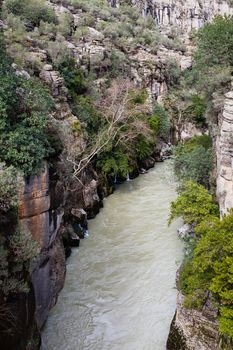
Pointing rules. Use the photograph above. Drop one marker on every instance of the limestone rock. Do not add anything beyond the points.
(186, 15)
(95, 34)
(224, 152)
(192, 329)
(48, 279)
(185, 231)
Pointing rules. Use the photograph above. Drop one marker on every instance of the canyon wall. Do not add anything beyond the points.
(184, 14)
(52, 209)
(224, 153)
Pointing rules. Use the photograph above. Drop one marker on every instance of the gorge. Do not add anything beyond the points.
(120, 286)
(94, 93)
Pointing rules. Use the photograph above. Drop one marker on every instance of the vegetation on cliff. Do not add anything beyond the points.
(207, 269)
(199, 96)
(24, 106)
(193, 160)
(110, 123)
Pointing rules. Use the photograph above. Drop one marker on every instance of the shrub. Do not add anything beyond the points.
(114, 163)
(143, 147)
(32, 11)
(193, 160)
(164, 123)
(15, 259)
(25, 105)
(9, 186)
(139, 96)
(154, 123)
(194, 204)
(197, 110)
(73, 77)
(210, 269)
(215, 43)
(87, 113)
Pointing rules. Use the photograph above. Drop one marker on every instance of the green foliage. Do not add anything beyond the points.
(143, 147)
(9, 186)
(210, 74)
(215, 43)
(24, 106)
(73, 77)
(197, 109)
(32, 11)
(194, 204)
(193, 160)
(22, 246)
(213, 60)
(210, 269)
(173, 72)
(16, 254)
(88, 114)
(139, 96)
(164, 124)
(154, 122)
(114, 163)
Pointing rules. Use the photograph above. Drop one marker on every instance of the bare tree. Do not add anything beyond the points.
(121, 119)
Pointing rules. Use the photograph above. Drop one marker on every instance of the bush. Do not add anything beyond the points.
(9, 186)
(193, 160)
(164, 124)
(73, 77)
(15, 259)
(215, 43)
(32, 11)
(85, 110)
(143, 147)
(197, 109)
(114, 163)
(211, 270)
(24, 105)
(194, 204)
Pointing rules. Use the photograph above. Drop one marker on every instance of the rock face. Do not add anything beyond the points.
(224, 152)
(44, 223)
(186, 15)
(192, 329)
(48, 210)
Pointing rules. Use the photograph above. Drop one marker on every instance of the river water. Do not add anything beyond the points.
(120, 286)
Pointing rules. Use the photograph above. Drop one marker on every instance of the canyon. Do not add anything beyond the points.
(55, 209)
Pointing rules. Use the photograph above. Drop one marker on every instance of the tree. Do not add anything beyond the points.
(193, 160)
(124, 117)
(215, 43)
(194, 204)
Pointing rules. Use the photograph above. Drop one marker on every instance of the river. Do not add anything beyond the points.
(120, 286)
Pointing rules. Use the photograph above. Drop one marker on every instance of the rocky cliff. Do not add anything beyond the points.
(224, 153)
(192, 329)
(186, 15)
(54, 207)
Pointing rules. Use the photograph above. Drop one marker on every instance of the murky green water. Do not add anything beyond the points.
(120, 286)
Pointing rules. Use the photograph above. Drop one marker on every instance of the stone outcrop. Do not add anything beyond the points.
(198, 330)
(224, 153)
(37, 215)
(48, 209)
(192, 329)
(186, 15)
